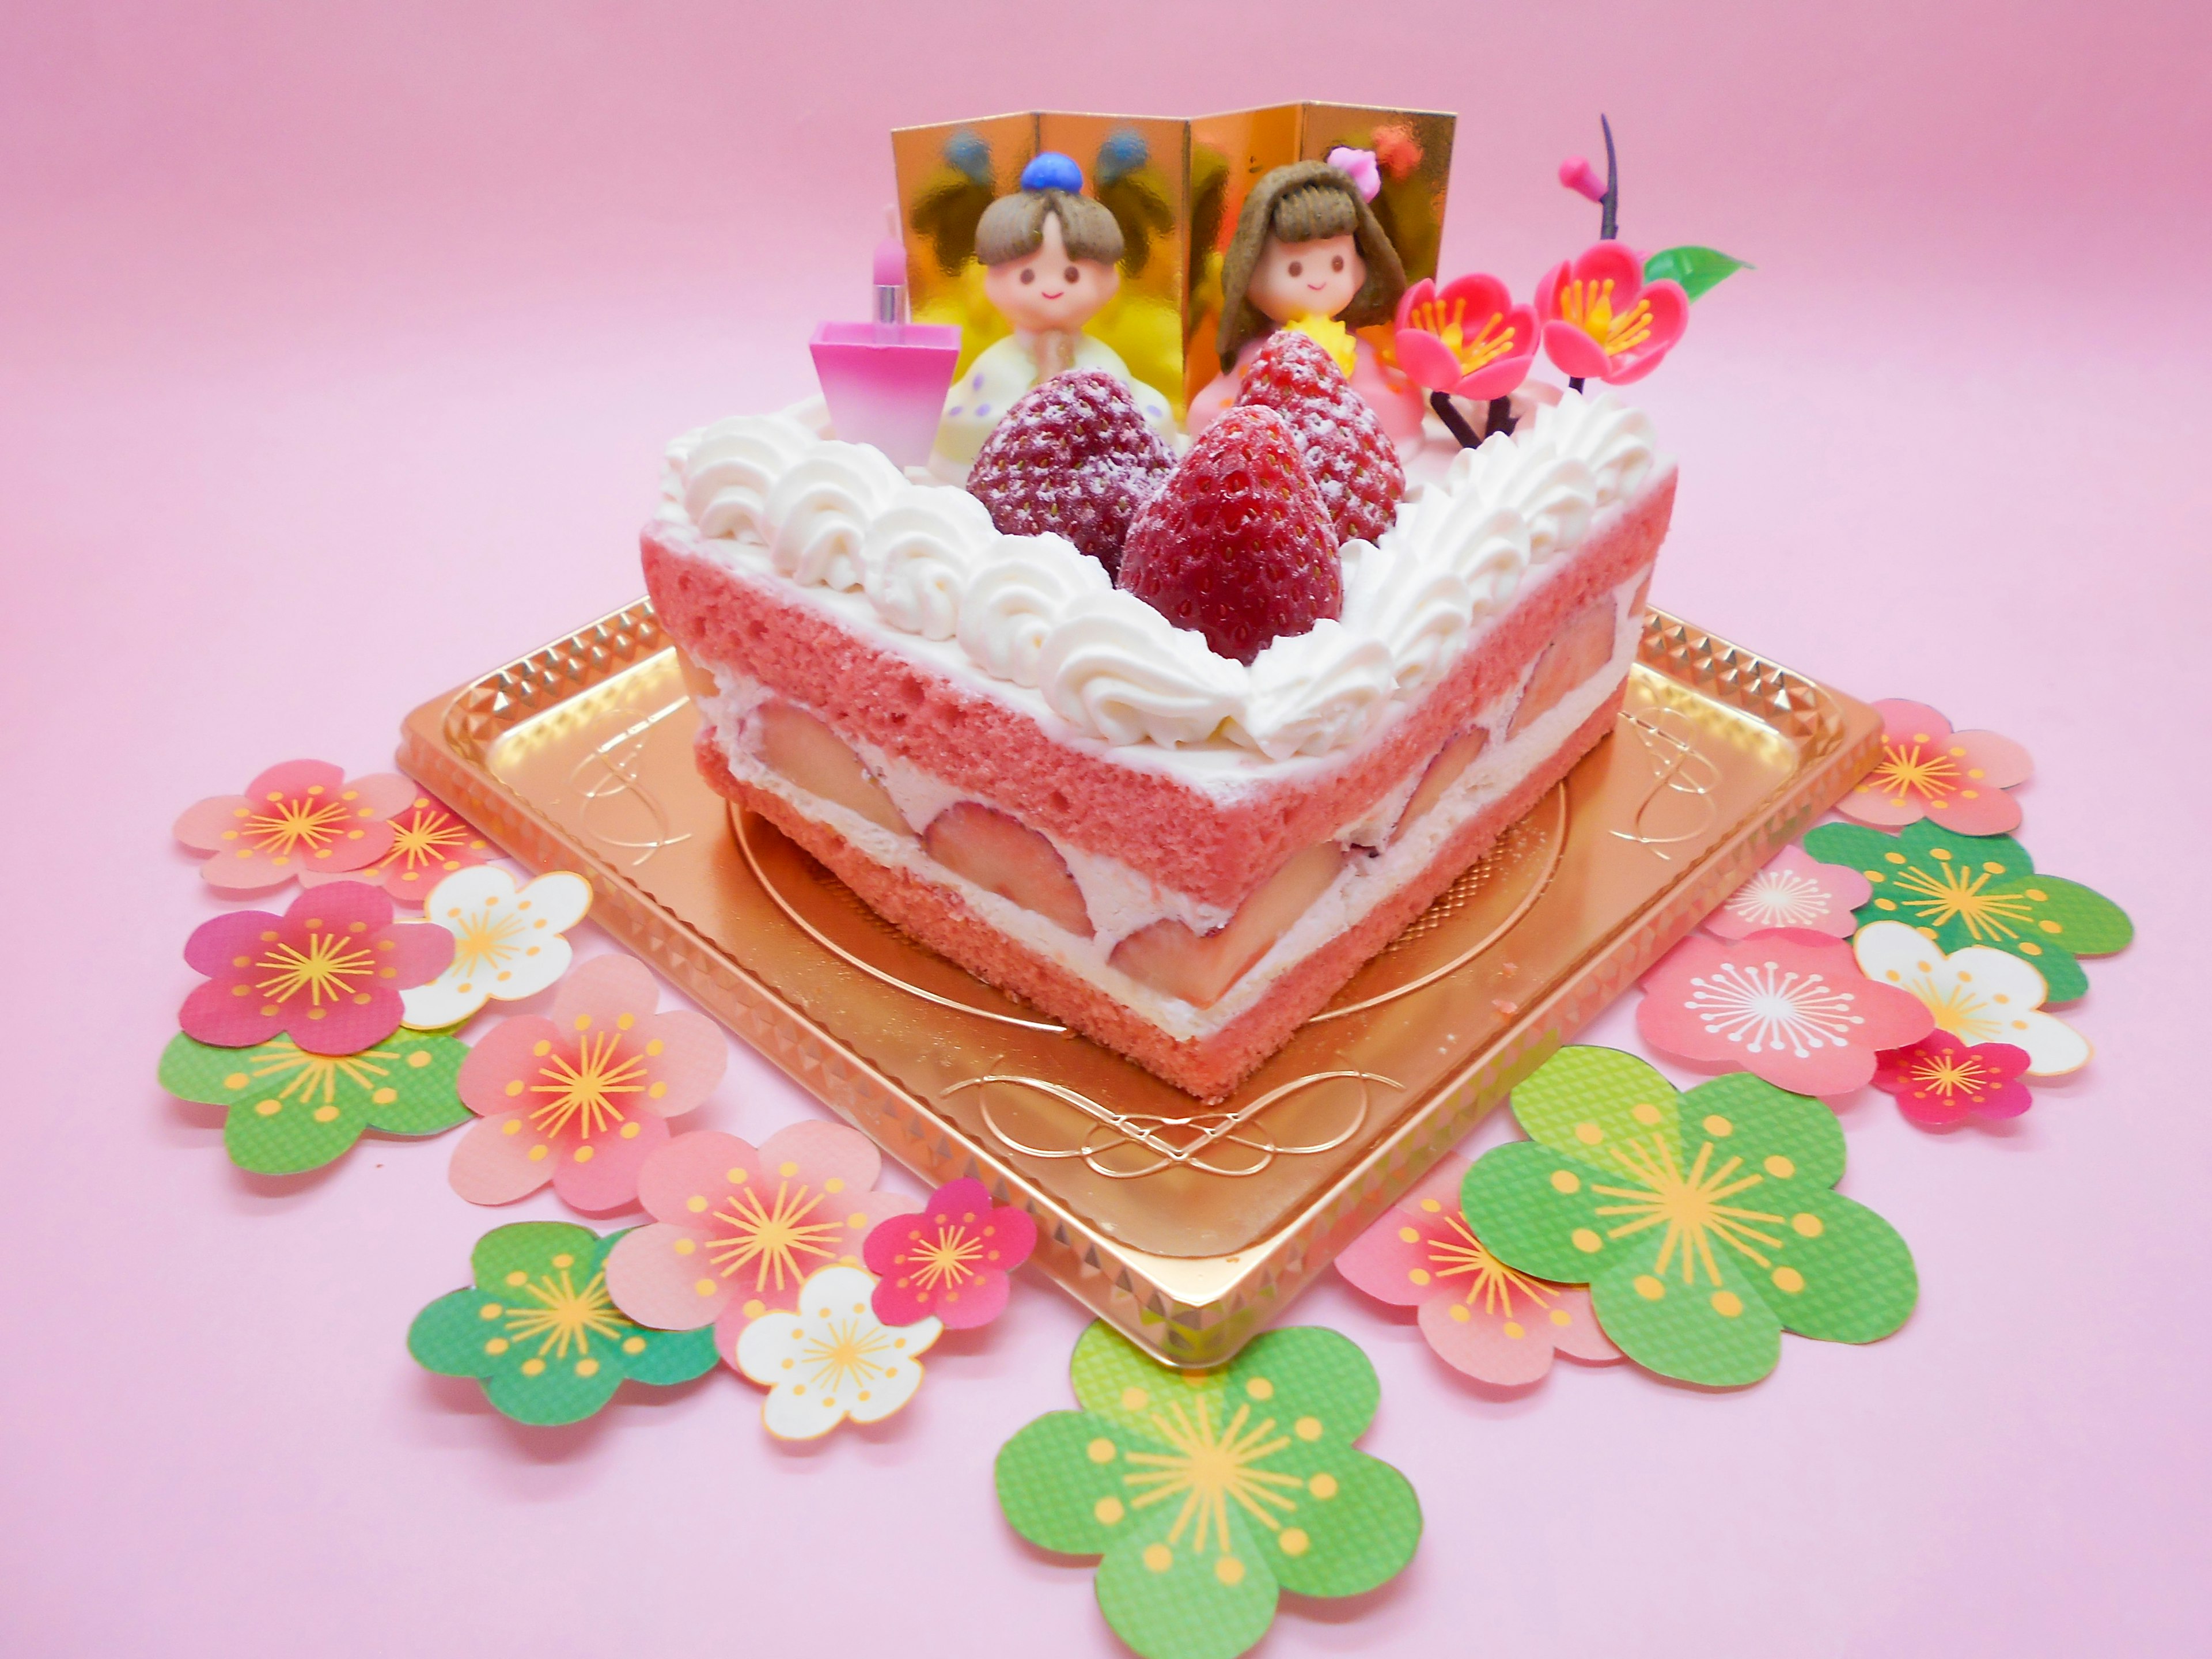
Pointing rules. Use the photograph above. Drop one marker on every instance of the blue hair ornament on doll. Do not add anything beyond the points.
(1052, 171)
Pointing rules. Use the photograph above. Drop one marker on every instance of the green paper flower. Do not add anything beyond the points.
(1979, 890)
(1207, 1491)
(1705, 1224)
(539, 1332)
(291, 1110)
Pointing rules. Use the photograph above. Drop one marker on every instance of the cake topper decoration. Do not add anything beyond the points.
(1051, 257)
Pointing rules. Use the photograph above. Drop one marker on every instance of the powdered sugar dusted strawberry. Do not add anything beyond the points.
(1353, 460)
(1074, 456)
(1237, 544)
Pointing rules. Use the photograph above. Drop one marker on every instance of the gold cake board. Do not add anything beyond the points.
(1189, 1224)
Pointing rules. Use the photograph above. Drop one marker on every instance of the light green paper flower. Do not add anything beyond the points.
(538, 1329)
(291, 1110)
(1207, 1491)
(1705, 1224)
(1962, 890)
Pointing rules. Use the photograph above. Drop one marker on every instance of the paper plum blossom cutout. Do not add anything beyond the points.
(429, 843)
(582, 1098)
(329, 972)
(1787, 1005)
(507, 941)
(832, 1358)
(1928, 770)
(1467, 338)
(1793, 890)
(292, 1111)
(950, 1260)
(1208, 1492)
(297, 818)
(1980, 890)
(536, 1329)
(736, 1232)
(1979, 996)
(1706, 1223)
(1481, 1317)
(1602, 321)
(1939, 1081)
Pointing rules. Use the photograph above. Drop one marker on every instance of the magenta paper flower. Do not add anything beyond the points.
(1787, 1005)
(301, 817)
(737, 1231)
(1956, 778)
(1795, 890)
(327, 973)
(1939, 1081)
(430, 842)
(581, 1099)
(1482, 1317)
(1467, 338)
(1602, 321)
(949, 1260)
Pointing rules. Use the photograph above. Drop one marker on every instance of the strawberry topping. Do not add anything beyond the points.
(1352, 458)
(1074, 456)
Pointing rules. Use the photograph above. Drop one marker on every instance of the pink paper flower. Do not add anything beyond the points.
(581, 1099)
(1467, 338)
(327, 973)
(736, 1230)
(1483, 1318)
(950, 1260)
(1787, 1005)
(1939, 1081)
(301, 817)
(1602, 321)
(1956, 778)
(429, 843)
(1793, 890)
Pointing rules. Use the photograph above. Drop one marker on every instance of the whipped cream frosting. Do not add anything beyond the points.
(1033, 611)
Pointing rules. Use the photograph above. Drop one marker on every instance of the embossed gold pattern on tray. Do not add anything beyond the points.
(1189, 1224)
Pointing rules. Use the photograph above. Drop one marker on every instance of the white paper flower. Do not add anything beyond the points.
(833, 1359)
(1977, 994)
(507, 941)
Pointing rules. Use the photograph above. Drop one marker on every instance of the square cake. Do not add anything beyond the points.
(1177, 817)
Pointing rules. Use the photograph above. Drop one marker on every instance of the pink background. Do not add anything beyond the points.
(335, 358)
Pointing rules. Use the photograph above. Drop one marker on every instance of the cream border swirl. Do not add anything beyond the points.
(1033, 611)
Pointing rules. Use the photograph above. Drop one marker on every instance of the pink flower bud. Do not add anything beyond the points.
(1577, 176)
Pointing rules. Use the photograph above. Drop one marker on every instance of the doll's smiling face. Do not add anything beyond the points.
(1306, 279)
(1048, 289)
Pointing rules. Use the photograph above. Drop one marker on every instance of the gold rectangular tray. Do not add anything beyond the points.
(1189, 1226)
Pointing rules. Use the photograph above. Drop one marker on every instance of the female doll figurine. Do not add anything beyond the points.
(1310, 255)
(1050, 253)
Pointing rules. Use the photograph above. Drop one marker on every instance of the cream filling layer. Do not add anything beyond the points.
(1131, 901)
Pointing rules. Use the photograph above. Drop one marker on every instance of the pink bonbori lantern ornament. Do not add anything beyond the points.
(885, 381)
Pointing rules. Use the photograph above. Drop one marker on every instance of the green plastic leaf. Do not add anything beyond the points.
(291, 1110)
(1699, 270)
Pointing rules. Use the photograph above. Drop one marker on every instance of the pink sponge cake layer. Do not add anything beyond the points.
(1208, 1066)
(1212, 842)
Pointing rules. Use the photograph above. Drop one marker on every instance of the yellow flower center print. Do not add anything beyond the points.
(1489, 1281)
(1947, 888)
(562, 1317)
(289, 824)
(777, 1239)
(1918, 767)
(329, 968)
(1692, 1205)
(582, 1094)
(1209, 1468)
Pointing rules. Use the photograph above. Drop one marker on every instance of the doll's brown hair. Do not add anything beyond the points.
(1012, 227)
(1304, 202)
